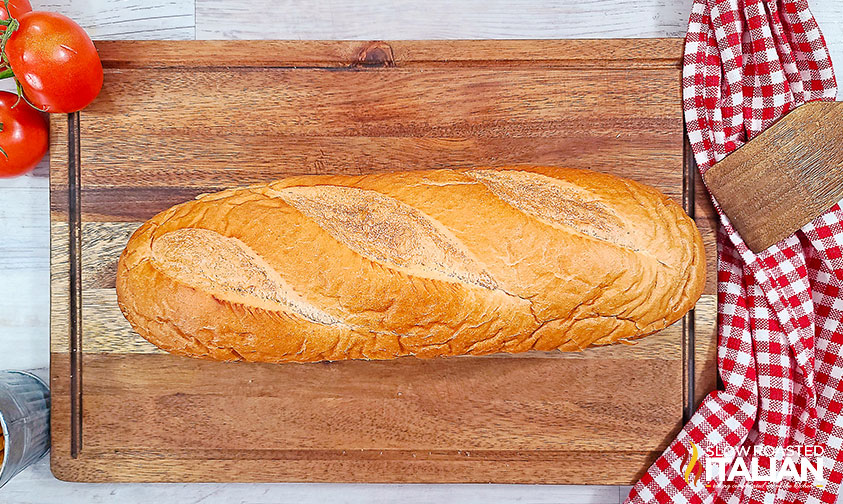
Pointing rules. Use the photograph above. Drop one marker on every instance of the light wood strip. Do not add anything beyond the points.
(59, 236)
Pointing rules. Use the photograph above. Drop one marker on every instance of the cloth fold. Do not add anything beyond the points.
(780, 312)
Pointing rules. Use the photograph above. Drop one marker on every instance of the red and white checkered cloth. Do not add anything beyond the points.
(780, 314)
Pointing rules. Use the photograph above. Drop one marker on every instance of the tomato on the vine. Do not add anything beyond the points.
(55, 62)
(16, 8)
(24, 137)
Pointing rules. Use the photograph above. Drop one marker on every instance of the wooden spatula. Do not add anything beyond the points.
(783, 178)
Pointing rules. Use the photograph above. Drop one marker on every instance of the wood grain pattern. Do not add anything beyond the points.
(153, 139)
(491, 118)
(785, 177)
(610, 53)
(705, 347)
(449, 420)
(707, 222)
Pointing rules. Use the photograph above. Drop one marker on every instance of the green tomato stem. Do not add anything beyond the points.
(5, 74)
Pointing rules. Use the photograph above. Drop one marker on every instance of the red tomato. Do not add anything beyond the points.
(16, 8)
(24, 138)
(55, 62)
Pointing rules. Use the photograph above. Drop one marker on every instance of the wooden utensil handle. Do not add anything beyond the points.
(784, 178)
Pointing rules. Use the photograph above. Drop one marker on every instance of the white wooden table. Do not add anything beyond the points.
(24, 218)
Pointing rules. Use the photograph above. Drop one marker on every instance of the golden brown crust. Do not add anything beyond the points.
(425, 263)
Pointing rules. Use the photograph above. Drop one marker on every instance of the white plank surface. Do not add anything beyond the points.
(24, 215)
(439, 19)
(129, 19)
(24, 271)
(51, 491)
(829, 14)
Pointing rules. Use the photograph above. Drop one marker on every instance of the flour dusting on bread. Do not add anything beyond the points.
(554, 202)
(205, 259)
(386, 230)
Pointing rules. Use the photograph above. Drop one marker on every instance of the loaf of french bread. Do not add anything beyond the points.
(424, 263)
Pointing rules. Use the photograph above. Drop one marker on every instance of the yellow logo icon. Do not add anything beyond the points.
(693, 465)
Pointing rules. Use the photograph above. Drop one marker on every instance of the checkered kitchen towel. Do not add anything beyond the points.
(747, 63)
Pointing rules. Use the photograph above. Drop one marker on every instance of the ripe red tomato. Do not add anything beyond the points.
(16, 8)
(55, 62)
(24, 138)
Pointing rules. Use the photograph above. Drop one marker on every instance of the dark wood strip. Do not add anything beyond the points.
(129, 204)
(192, 159)
(74, 212)
(689, 169)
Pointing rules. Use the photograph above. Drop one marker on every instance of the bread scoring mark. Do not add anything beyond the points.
(554, 202)
(204, 259)
(386, 230)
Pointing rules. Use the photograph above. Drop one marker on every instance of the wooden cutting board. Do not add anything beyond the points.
(176, 119)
